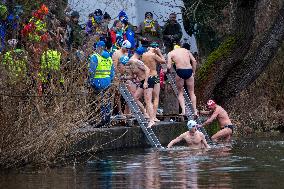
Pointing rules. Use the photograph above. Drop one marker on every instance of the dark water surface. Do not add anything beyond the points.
(249, 163)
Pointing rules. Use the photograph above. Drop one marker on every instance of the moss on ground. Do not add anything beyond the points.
(221, 52)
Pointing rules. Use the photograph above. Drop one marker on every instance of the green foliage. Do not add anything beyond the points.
(221, 52)
(206, 19)
(206, 11)
(213, 128)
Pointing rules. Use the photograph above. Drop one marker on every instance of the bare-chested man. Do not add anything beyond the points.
(185, 68)
(140, 71)
(126, 45)
(194, 138)
(120, 68)
(151, 59)
(136, 56)
(222, 116)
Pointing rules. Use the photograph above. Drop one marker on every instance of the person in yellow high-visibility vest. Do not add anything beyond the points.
(101, 74)
(50, 68)
(50, 62)
(16, 62)
(101, 68)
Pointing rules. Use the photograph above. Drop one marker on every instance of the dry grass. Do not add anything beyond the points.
(38, 129)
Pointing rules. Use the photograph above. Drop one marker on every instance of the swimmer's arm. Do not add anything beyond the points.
(147, 73)
(169, 63)
(213, 116)
(159, 53)
(143, 67)
(205, 142)
(204, 112)
(193, 62)
(176, 140)
(115, 60)
(160, 59)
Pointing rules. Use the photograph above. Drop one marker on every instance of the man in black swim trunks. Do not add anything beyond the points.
(138, 70)
(225, 123)
(185, 65)
(151, 59)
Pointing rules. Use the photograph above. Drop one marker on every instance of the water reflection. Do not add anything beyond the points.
(248, 164)
(99, 173)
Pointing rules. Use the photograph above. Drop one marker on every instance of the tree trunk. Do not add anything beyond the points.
(242, 33)
(254, 63)
(243, 61)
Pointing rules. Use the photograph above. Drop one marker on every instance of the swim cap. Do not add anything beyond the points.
(154, 44)
(140, 50)
(191, 124)
(211, 103)
(126, 44)
(100, 44)
(176, 47)
(124, 60)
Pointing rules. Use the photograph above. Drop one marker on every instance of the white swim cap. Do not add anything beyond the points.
(191, 124)
(126, 44)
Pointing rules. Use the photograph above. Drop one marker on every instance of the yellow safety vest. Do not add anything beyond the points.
(50, 61)
(149, 27)
(15, 62)
(40, 27)
(104, 67)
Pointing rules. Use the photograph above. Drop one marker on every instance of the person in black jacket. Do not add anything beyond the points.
(172, 32)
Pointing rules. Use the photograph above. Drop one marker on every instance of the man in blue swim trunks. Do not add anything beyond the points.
(185, 65)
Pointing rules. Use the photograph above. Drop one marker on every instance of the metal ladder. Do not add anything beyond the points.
(143, 123)
(188, 105)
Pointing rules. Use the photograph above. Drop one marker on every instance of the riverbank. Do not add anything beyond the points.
(100, 139)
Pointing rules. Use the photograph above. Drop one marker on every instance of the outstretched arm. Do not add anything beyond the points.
(213, 116)
(205, 112)
(176, 140)
(169, 63)
(204, 141)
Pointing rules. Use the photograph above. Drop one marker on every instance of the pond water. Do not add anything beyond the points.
(256, 162)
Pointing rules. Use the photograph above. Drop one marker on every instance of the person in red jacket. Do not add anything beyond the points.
(117, 34)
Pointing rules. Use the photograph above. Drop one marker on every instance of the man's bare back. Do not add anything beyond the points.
(137, 69)
(182, 58)
(115, 58)
(223, 117)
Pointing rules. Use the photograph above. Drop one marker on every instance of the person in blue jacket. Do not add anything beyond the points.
(101, 74)
(128, 29)
(101, 68)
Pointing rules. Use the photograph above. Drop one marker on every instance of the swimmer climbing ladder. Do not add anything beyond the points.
(152, 138)
(188, 104)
